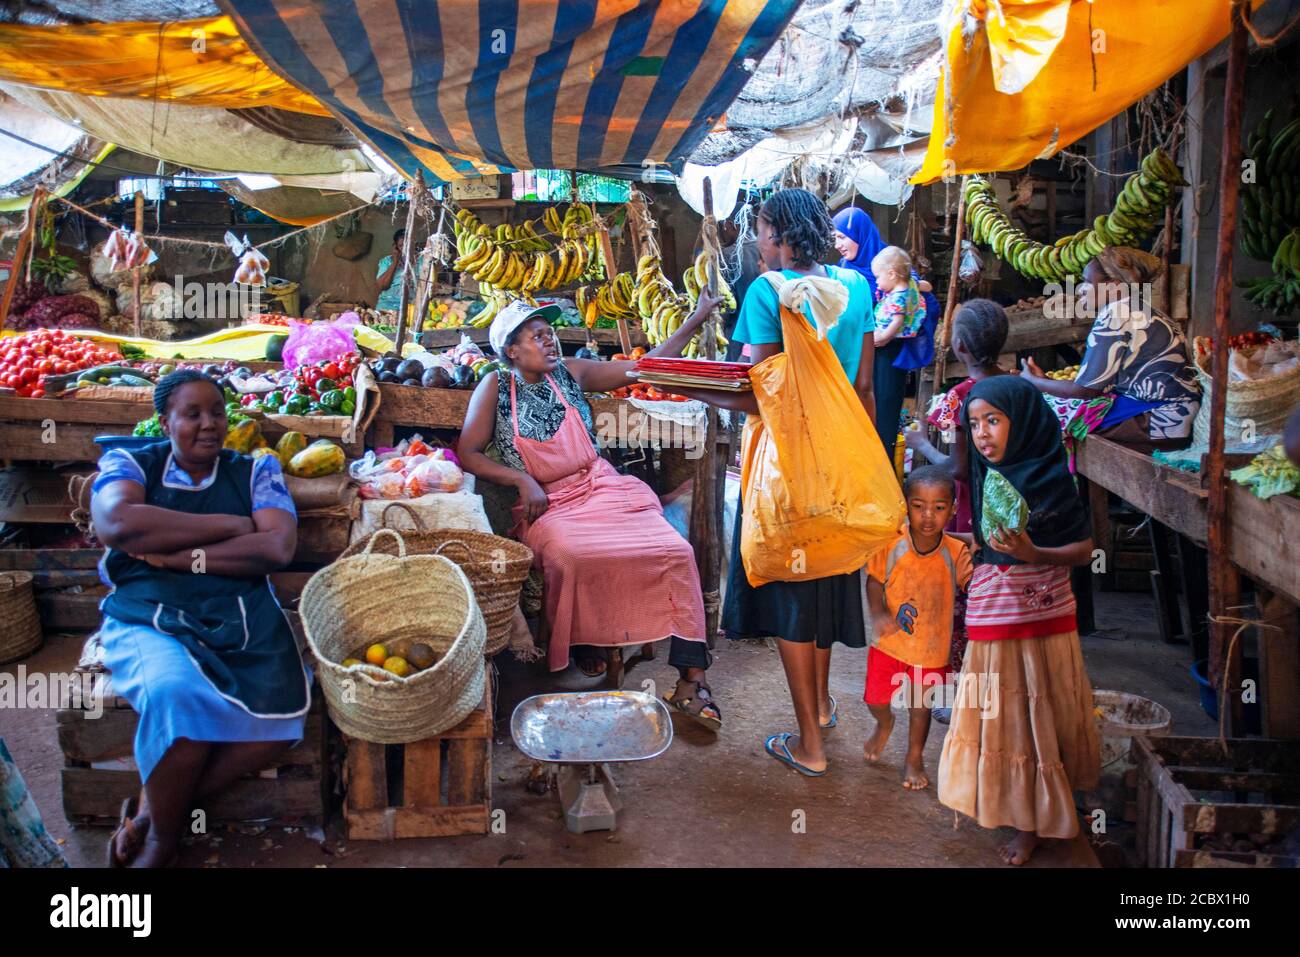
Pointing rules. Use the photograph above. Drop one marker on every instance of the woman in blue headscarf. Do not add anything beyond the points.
(858, 241)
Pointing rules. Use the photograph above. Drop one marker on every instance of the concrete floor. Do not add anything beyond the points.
(708, 801)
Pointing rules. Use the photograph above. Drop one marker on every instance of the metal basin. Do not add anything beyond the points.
(592, 727)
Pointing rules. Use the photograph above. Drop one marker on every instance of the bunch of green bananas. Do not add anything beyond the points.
(1279, 292)
(696, 277)
(1138, 208)
(1270, 206)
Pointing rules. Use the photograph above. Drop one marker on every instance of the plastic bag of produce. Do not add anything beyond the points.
(1004, 507)
(319, 341)
(434, 474)
(810, 510)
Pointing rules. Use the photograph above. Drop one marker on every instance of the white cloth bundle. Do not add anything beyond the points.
(827, 298)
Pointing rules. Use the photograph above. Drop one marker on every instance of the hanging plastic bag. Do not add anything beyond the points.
(309, 343)
(971, 266)
(253, 264)
(819, 492)
(125, 249)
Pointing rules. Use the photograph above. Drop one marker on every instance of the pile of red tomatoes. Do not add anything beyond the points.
(27, 359)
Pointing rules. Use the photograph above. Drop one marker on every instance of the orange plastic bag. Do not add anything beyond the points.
(819, 492)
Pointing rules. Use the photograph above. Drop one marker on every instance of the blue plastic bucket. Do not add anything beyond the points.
(1209, 697)
(129, 443)
(1252, 717)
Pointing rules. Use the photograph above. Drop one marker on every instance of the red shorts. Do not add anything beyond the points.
(885, 675)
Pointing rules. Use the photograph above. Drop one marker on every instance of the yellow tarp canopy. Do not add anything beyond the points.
(14, 203)
(1025, 78)
(197, 62)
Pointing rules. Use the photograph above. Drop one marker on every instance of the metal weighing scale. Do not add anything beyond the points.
(584, 733)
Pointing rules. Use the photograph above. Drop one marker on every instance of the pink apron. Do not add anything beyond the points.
(616, 572)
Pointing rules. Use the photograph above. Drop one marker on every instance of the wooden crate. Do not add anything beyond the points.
(438, 787)
(99, 773)
(1192, 798)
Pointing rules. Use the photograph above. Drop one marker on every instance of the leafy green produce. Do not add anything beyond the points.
(1269, 473)
(1004, 507)
(149, 427)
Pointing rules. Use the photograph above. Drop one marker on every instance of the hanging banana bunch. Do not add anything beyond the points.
(1138, 209)
(1270, 215)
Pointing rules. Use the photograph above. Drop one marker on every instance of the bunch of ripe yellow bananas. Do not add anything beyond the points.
(663, 309)
(613, 300)
(518, 260)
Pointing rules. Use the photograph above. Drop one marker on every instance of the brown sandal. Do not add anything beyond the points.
(693, 706)
(134, 839)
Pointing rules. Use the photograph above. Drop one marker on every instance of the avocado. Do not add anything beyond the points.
(275, 348)
(409, 369)
(388, 377)
(436, 378)
(391, 363)
(410, 382)
(463, 378)
(585, 353)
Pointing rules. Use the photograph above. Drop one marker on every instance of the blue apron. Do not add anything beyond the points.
(233, 628)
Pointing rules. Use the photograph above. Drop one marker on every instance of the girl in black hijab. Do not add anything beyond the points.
(1022, 736)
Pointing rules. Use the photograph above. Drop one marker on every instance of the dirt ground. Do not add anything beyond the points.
(708, 801)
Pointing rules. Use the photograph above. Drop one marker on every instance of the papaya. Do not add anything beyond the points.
(275, 348)
(242, 436)
(290, 444)
(264, 450)
(319, 458)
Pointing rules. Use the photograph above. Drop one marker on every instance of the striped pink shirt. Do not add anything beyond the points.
(1019, 601)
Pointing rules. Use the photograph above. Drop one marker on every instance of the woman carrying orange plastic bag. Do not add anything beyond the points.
(815, 474)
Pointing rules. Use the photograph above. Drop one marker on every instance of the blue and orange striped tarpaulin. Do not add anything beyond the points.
(460, 88)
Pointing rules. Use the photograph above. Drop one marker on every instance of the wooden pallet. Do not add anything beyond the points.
(99, 774)
(1178, 813)
(437, 787)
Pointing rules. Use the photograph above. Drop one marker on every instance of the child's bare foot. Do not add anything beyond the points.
(914, 776)
(875, 745)
(1019, 849)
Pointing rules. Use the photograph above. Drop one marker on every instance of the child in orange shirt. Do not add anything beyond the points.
(911, 586)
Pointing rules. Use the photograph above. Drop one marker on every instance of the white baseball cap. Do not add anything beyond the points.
(515, 315)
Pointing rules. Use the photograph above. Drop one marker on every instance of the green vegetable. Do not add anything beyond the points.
(331, 399)
(350, 394)
(298, 405)
(273, 399)
(1269, 473)
(348, 407)
(1004, 507)
(131, 352)
(149, 427)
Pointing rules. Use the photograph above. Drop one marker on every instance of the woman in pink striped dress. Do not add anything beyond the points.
(1022, 736)
(615, 572)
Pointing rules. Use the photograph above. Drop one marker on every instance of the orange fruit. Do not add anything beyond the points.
(349, 662)
(398, 666)
(376, 654)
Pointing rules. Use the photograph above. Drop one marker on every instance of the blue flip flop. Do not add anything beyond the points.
(778, 745)
(835, 714)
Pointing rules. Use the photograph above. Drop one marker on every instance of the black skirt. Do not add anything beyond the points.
(824, 610)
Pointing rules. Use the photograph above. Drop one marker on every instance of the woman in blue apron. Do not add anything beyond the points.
(192, 633)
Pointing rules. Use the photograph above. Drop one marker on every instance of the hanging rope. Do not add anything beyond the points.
(1242, 624)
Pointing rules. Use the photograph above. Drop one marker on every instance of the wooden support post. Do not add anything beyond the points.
(1279, 665)
(428, 273)
(943, 334)
(135, 272)
(1224, 581)
(706, 501)
(406, 259)
(611, 270)
(20, 255)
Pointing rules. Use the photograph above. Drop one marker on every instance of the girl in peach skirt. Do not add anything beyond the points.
(1023, 735)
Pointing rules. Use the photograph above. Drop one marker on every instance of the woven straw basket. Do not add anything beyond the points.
(397, 600)
(1264, 403)
(496, 567)
(20, 625)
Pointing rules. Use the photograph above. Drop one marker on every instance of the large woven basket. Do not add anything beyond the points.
(496, 567)
(20, 624)
(397, 600)
(1257, 407)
